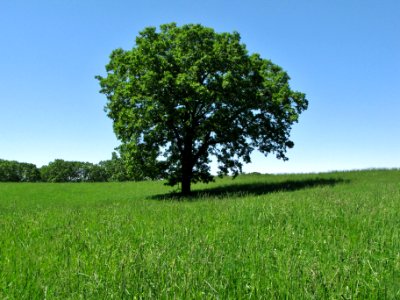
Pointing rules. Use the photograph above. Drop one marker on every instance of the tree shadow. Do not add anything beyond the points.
(252, 189)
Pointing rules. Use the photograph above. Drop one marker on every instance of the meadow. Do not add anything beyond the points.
(305, 236)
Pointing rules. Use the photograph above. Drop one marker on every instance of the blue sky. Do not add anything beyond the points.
(344, 54)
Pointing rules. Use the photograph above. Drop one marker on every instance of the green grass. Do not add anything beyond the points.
(314, 236)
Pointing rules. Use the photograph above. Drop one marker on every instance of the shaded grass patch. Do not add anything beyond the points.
(235, 189)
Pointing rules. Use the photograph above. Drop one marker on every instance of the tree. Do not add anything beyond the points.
(18, 172)
(72, 171)
(28, 172)
(183, 94)
(59, 171)
(115, 168)
(93, 172)
(9, 171)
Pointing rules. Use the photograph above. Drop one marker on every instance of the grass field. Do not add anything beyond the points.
(314, 236)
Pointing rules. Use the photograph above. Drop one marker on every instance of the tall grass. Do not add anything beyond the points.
(333, 235)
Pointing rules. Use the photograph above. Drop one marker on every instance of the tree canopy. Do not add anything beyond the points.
(14, 171)
(60, 170)
(72, 171)
(184, 94)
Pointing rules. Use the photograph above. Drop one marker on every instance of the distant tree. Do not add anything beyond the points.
(72, 171)
(14, 171)
(28, 172)
(114, 168)
(58, 171)
(139, 168)
(94, 173)
(186, 93)
(119, 168)
(8, 171)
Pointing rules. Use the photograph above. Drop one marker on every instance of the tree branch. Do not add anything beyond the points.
(204, 146)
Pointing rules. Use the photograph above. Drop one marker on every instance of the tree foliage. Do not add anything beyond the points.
(13, 171)
(183, 94)
(59, 170)
(72, 171)
(117, 170)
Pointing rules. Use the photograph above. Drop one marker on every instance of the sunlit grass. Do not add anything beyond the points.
(333, 235)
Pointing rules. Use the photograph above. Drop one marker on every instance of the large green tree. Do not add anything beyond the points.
(184, 94)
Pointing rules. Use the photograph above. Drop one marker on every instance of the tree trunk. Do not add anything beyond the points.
(187, 167)
(186, 180)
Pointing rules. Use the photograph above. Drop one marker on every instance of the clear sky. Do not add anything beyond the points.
(344, 54)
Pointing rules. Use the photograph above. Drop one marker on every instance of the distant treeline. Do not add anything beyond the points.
(67, 171)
